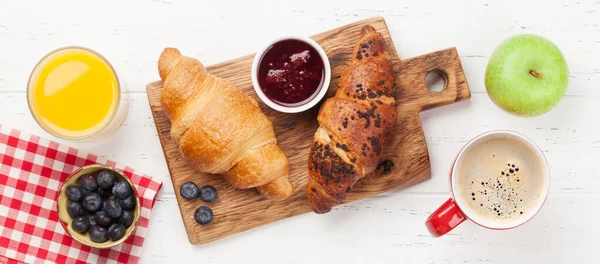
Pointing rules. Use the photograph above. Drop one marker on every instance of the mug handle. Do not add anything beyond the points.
(445, 218)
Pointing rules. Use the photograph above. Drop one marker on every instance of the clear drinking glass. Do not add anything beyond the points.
(108, 125)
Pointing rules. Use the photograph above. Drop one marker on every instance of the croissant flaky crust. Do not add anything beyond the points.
(354, 125)
(219, 129)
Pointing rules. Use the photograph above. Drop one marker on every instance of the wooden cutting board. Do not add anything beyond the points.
(405, 161)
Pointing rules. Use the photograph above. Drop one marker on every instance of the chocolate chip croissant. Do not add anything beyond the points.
(219, 129)
(354, 125)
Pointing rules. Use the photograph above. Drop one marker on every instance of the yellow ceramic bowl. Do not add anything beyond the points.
(65, 218)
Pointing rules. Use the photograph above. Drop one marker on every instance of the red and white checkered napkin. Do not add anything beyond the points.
(31, 171)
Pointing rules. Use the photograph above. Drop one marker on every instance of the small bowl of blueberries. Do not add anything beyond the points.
(98, 206)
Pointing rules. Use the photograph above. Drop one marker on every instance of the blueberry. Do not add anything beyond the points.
(116, 231)
(98, 234)
(203, 215)
(103, 219)
(92, 202)
(121, 189)
(88, 182)
(127, 203)
(84, 192)
(104, 193)
(208, 193)
(74, 193)
(91, 219)
(189, 190)
(106, 179)
(112, 208)
(126, 218)
(80, 224)
(74, 209)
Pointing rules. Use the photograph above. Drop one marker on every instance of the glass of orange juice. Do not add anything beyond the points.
(74, 93)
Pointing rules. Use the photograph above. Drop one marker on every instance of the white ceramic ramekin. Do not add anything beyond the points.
(320, 93)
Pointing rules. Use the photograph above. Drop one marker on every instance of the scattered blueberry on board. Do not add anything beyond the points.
(189, 190)
(203, 215)
(101, 205)
(208, 193)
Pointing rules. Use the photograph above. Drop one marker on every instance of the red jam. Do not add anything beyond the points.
(291, 72)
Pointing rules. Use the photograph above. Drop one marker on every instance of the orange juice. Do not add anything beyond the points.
(74, 93)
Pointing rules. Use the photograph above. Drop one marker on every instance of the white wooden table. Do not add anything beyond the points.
(385, 229)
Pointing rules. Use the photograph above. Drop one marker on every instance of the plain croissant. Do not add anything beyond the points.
(219, 129)
(354, 125)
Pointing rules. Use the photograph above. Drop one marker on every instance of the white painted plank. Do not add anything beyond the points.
(133, 35)
(388, 230)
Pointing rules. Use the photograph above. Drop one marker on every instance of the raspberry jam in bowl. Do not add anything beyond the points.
(291, 74)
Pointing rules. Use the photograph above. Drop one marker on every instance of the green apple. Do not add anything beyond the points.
(527, 75)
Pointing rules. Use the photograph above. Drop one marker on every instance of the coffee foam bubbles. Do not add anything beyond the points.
(500, 179)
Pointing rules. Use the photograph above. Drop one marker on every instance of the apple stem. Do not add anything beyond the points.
(535, 74)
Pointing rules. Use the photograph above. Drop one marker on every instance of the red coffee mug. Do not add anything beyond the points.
(455, 210)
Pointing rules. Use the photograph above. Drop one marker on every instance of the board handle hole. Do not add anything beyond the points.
(436, 81)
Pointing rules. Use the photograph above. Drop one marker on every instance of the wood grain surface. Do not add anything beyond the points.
(405, 161)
